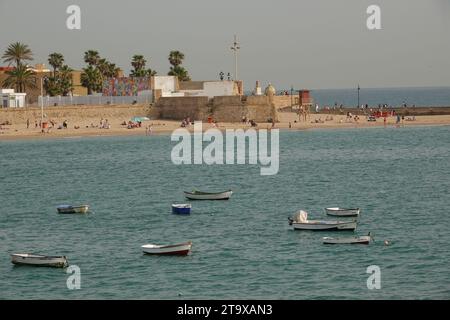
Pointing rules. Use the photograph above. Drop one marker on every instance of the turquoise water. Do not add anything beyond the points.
(242, 248)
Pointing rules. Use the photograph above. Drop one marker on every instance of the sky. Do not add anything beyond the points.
(314, 44)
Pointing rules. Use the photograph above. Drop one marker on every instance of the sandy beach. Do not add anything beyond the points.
(82, 126)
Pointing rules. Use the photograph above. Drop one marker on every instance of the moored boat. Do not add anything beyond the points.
(198, 195)
(181, 208)
(39, 260)
(349, 240)
(68, 209)
(301, 222)
(343, 212)
(180, 249)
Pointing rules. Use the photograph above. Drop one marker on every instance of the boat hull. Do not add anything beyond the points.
(73, 209)
(181, 209)
(39, 261)
(339, 212)
(208, 196)
(318, 226)
(355, 240)
(182, 249)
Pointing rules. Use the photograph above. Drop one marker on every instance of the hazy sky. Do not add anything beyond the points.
(308, 43)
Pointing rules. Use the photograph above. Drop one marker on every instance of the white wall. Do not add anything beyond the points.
(165, 83)
(218, 88)
(14, 100)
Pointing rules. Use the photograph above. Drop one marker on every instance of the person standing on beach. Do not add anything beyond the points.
(28, 123)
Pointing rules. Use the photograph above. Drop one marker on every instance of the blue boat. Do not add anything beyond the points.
(181, 208)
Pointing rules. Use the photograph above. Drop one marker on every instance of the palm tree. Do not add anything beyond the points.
(180, 72)
(138, 62)
(91, 78)
(17, 52)
(66, 81)
(151, 72)
(52, 86)
(112, 71)
(102, 66)
(56, 60)
(176, 58)
(20, 78)
(91, 57)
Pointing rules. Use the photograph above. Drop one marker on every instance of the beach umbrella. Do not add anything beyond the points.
(139, 119)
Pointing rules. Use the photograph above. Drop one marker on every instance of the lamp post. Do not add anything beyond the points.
(292, 96)
(358, 94)
(235, 48)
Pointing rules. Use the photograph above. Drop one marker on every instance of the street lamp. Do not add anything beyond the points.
(292, 96)
(235, 48)
(42, 99)
(358, 94)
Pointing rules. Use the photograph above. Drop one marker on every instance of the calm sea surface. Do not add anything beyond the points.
(242, 248)
(424, 97)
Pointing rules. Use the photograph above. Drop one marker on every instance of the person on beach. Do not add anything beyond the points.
(28, 123)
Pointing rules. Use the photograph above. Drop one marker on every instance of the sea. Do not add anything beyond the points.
(411, 96)
(243, 248)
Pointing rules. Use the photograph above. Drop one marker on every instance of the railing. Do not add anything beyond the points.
(92, 100)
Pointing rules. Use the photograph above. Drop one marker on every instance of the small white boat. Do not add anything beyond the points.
(301, 222)
(39, 260)
(349, 240)
(342, 212)
(181, 249)
(68, 209)
(198, 195)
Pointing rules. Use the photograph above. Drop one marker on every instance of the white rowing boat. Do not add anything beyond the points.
(349, 240)
(300, 222)
(343, 212)
(198, 195)
(181, 249)
(39, 260)
(68, 209)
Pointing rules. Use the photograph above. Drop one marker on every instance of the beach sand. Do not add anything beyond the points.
(20, 131)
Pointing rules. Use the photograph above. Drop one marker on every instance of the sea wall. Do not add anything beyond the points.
(178, 108)
(72, 113)
(221, 108)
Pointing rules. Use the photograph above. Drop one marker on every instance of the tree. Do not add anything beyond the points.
(66, 81)
(52, 86)
(176, 59)
(17, 52)
(91, 57)
(56, 60)
(180, 72)
(20, 78)
(91, 78)
(138, 62)
(107, 69)
(112, 71)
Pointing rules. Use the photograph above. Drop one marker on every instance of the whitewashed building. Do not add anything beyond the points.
(11, 99)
